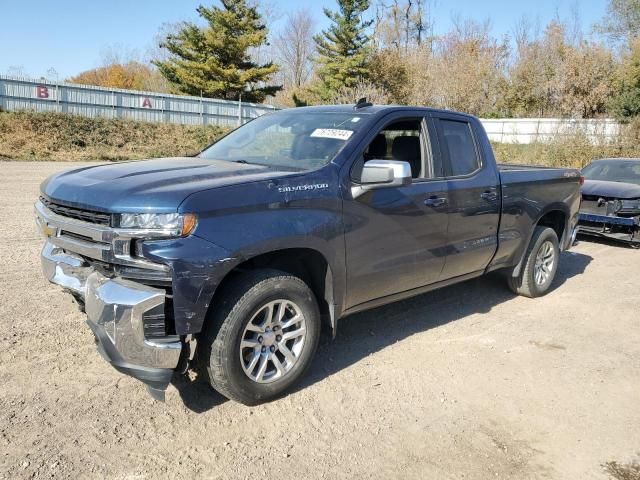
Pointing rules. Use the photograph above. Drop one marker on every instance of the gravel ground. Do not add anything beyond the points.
(466, 382)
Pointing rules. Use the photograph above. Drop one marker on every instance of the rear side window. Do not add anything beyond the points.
(459, 147)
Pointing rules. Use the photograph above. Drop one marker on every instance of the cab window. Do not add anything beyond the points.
(458, 146)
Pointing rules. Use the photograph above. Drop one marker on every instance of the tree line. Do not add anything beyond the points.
(386, 50)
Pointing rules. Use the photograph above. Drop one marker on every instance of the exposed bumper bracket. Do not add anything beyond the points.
(626, 229)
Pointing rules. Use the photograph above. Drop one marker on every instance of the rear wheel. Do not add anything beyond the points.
(540, 264)
(263, 337)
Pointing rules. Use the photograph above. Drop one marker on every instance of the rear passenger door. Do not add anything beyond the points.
(473, 196)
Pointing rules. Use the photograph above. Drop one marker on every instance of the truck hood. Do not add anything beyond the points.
(159, 185)
(602, 188)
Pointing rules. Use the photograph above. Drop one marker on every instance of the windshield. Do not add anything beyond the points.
(290, 139)
(626, 171)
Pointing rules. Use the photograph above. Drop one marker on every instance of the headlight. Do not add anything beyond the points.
(630, 205)
(171, 224)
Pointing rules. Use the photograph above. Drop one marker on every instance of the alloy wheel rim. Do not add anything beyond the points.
(272, 341)
(545, 260)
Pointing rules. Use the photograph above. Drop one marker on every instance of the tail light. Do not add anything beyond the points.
(581, 180)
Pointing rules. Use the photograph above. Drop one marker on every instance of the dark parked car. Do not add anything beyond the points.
(611, 199)
(235, 258)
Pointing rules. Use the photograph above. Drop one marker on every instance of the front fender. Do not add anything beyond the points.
(237, 223)
(197, 267)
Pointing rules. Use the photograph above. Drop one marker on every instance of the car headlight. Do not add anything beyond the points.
(629, 208)
(169, 224)
(631, 204)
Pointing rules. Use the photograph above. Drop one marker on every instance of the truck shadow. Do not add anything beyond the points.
(362, 334)
(196, 392)
(365, 333)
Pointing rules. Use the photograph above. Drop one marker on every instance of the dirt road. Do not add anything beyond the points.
(467, 382)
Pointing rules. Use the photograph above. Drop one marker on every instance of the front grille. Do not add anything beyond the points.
(90, 216)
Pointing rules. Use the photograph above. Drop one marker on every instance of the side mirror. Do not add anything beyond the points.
(382, 174)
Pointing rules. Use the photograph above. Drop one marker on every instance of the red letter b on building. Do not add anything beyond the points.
(42, 91)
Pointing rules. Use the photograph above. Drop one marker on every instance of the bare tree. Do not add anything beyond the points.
(451, 82)
(574, 31)
(388, 25)
(423, 22)
(622, 23)
(522, 34)
(402, 24)
(154, 52)
(270, 13)
(294, 47)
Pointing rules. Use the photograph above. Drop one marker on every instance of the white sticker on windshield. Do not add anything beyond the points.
(332, 133)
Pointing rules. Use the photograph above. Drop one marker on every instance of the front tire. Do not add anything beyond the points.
(540, 264)
(263, 337)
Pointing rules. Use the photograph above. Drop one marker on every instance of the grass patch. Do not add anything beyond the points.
(60, 136)
(619, 471)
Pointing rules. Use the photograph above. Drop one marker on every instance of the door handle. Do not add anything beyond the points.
(489, 195)
(435, 201)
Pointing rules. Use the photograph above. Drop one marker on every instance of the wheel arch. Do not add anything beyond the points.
(556, 217)
(309, 264)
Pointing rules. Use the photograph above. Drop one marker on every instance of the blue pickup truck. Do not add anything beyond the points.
(234, 260)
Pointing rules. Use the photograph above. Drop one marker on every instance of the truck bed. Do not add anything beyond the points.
(522, 174)
(517, 166)
(527, 192)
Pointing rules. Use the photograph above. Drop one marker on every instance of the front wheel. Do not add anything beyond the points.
(540, 264)
(263, 337)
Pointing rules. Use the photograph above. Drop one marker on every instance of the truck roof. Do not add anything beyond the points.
(375, 109)
(616, 159)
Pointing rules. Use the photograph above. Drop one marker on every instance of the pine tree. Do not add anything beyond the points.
(344, 48)
(214, 61)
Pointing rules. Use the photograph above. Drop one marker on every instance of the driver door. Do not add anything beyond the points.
(396, 237)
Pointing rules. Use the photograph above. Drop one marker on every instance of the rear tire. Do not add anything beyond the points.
(263, 336)
(540, 264)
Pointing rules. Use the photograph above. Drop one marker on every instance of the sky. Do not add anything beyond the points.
(69, 36)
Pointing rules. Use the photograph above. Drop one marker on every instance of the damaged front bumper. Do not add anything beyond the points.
(625, 229)
(146, 296)
(116, 311)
